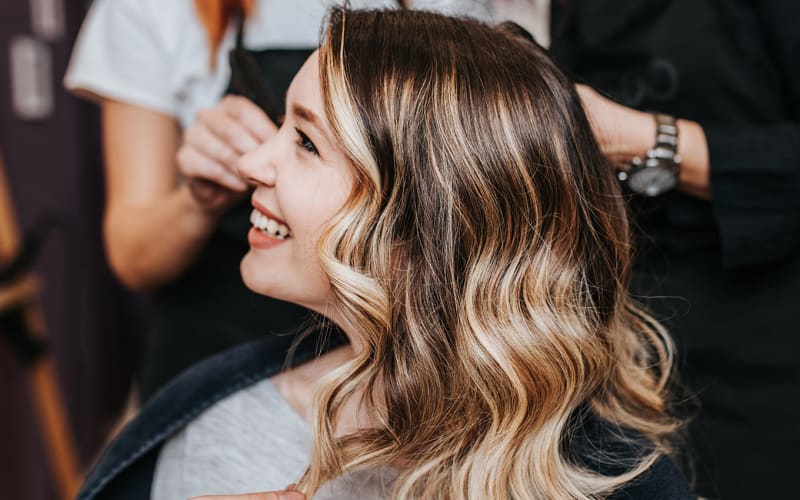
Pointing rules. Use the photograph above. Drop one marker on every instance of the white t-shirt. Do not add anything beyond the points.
(155, 53)
(252, 440)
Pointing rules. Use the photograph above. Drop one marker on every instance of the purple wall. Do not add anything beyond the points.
(95, 329)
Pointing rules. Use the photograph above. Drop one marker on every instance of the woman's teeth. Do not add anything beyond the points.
(269, 226)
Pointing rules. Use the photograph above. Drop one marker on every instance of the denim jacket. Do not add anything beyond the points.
(127, 466)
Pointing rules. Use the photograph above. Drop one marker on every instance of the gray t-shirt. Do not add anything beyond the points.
(250, 441)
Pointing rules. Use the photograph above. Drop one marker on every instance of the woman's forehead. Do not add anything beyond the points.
(305, 87)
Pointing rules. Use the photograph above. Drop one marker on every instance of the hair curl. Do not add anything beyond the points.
(484, 258)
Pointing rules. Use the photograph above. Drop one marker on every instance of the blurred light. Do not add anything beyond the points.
(31, 78)
(47, 19)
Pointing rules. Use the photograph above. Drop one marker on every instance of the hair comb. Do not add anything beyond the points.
(246, 77)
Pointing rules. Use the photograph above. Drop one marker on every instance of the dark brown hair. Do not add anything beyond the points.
(484, 256)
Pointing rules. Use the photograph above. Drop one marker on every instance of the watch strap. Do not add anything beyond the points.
(666, 145)
(663, 156)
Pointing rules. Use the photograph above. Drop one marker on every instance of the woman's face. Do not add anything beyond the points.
(302, 179)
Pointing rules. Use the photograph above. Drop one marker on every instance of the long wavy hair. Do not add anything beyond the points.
(483, 258)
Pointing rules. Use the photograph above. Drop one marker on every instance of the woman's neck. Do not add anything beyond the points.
(299, 386)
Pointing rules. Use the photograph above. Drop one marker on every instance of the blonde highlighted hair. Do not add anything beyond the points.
(483, 258)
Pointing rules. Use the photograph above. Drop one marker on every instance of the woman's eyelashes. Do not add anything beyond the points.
(305, 143)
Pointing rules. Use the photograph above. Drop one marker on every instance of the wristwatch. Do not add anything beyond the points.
(657, 172)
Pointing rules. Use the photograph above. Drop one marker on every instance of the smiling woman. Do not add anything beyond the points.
(481, 260)
(435, 191)
(302, 179)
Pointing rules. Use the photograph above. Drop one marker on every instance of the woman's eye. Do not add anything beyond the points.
(305, 143)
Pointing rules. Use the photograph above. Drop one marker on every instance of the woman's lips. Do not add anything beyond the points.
(261, 240)
(268, 230)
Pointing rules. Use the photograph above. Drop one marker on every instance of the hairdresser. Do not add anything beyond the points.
(154, 66)
(698, 105)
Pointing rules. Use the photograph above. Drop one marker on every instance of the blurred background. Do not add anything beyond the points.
(71, 338)
(70, 382)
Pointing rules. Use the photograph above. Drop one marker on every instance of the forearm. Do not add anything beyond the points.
(149, 245)
(155, 226)
(756, 180)
(639, 136)
(695, 173)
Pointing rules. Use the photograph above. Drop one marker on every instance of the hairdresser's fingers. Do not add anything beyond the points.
(250, 116)
(212, 196)
(195, 165)
(606, 119)
(620, 131)
(231, 131)
(199, 137)
(593, 103)
(269, 495)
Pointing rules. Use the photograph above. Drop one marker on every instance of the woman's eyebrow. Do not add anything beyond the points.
(312, 118)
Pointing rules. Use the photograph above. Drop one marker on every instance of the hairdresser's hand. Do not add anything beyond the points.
(212, 146)
(624, 133)
(621, 132)
(268, 495)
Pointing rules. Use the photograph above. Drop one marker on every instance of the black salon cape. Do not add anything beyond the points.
(727, 273)
(125, 470)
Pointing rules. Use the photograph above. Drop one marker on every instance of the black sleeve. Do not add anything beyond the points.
(662, 481)
(755, 170)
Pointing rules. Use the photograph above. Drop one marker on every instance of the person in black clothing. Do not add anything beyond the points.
(719, 252)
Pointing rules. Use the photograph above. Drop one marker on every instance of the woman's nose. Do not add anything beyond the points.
(257, 165)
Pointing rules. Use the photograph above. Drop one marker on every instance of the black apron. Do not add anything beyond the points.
(209, 309)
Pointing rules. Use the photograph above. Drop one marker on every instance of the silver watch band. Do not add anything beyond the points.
(666, 145)
(659, 170)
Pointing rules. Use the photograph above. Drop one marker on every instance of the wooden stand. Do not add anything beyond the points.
(22, 293)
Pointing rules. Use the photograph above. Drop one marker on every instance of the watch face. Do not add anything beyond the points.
(652, 181)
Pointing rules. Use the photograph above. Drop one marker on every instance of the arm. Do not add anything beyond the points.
(156, 222)
(753, 172)
(749, 170)
(624, 133)
(153, 227)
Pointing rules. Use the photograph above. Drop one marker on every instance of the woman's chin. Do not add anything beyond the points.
(256, 277)
(271, 276)
(263, 277)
